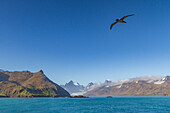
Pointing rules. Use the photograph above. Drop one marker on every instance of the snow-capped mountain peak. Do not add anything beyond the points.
(73, 87)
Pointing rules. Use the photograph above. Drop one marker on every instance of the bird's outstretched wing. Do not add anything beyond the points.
(112, 25)
(126, 16)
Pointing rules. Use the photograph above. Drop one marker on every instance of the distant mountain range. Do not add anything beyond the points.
(145, 85)
(135, 87)
(27, 84)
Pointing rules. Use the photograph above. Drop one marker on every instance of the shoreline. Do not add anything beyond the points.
(83, 97)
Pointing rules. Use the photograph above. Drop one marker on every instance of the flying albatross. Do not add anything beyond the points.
(120, 20)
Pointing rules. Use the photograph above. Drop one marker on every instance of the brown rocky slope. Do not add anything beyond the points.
(27, 84)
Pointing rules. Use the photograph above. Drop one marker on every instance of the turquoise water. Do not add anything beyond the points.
(89, 105)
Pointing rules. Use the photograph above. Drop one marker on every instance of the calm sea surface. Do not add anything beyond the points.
(89, 105)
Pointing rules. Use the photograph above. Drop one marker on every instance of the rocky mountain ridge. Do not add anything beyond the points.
(136, 87)
(27, 84)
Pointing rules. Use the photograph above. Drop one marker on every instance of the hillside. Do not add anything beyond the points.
(27, 84)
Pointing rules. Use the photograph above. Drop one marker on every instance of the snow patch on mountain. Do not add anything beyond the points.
(160, 81)
(119, 86)
(76, 84)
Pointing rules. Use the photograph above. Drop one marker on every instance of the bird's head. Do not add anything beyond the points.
(117, 19)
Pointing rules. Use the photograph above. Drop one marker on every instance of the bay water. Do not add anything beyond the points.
(86, 105)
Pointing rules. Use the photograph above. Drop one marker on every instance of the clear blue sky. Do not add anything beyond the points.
(71, 39)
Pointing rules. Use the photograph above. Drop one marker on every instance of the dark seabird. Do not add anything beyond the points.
(120, 20)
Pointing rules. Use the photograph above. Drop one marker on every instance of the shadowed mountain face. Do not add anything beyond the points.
(73, 87)
(135, 88)
(27, 84)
